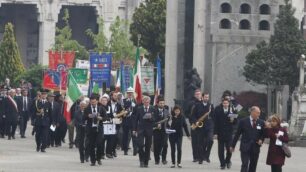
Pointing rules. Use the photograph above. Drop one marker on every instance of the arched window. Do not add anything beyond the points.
(244, 25)
(264, 9)
(245, 9)
(226, 8)
(225, 24)
(264, 25)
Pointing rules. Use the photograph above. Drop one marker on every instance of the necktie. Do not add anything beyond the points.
(94, 109)
(254, 123)
(146, 109)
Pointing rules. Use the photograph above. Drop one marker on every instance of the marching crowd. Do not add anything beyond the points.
(111, 121)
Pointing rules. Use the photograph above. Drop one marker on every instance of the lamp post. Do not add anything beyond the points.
(301, 65)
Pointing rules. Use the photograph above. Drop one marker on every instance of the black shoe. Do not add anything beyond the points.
(82, 161)
(222, 167)
(145, 166)
(229, 165)
(99, 162)
(134, 152)
(164, 162)
(13, 137)
(86, 159)
(70, 146)
(92, 164)
(33, 132)
(195, 160)
(125, 153)
(141, 164)
(37, 149)
(200, 162)
(43, 150)
(208, 160)
(23, 137)
(1, 136)
(109, 156)
(63, 140)
(9, 138)
(156, 163)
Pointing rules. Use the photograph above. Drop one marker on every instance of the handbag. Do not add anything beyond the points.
(286, 150)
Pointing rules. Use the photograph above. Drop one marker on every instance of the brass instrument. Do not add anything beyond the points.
(200, 121)
(122, 114)
(161, 122)
(39, 111)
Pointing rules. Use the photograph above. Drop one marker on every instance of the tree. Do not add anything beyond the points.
(149, 20)
(119, 41)
(64, 41)
(10, 60)
(33, 75)
(278, 59)
(99, 40)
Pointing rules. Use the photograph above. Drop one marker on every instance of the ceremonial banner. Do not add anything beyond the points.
(80, 75)
(147, 79)
(100, 68)
(61, 60)
(55, 80)
(82, 64)
(127, 77)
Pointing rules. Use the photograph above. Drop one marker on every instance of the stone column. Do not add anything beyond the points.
(171, 52)
(46, 40)
(199, 38)
(47, 23)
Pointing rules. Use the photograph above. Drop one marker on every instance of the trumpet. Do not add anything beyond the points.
(200, 121)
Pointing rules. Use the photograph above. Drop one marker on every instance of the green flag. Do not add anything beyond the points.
(73, 91)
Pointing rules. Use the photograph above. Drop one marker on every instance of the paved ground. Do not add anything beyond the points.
(19, 155)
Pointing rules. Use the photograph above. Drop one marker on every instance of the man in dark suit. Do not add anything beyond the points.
(143, 128)
(80, 123)
(129, 104)
(115, 108)
(252, 130)
(160, 137)
(24, 105)
(42, 122)
(196, 99)
(224, 123)
(95, 115)
(11, 112)
(2, 115)
(200, 109)
(54, 111)
(208, 128)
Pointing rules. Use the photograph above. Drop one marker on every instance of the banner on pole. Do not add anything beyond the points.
(100, 68)
(147, 79)
(80, 75)
(55, 80)
(82, 64)
(61, 60)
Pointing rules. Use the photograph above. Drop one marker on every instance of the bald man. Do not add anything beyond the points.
(252, 130)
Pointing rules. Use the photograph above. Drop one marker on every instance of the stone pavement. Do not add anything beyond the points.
(20, 156)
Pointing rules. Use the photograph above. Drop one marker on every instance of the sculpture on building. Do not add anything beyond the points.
(192, 82)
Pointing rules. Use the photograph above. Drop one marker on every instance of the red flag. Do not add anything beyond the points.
(67, 113)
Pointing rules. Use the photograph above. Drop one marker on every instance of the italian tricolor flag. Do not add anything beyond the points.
(137, 78)
(73, 93)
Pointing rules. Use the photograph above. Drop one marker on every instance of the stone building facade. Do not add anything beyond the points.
(35, 21)
(215, 41)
